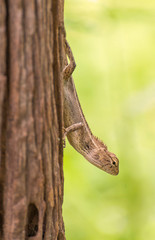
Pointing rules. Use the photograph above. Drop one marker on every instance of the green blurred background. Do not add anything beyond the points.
(114, 47)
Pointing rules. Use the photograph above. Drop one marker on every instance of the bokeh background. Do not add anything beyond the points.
(113, 42)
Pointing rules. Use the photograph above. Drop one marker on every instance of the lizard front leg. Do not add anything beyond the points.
(71, 128)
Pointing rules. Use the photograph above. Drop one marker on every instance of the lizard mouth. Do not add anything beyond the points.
(110, 169)
(106, 166)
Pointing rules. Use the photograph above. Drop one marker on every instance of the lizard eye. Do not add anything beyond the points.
(114, 163)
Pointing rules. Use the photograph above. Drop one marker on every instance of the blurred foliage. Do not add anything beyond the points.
(113, 44)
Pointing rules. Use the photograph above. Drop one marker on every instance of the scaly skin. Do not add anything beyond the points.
(77, 129)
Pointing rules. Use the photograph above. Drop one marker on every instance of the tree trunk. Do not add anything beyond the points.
(31, 120)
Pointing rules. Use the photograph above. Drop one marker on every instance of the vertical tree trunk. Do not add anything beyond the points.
(31, 168)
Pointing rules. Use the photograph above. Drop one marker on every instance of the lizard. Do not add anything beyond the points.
(76, 127)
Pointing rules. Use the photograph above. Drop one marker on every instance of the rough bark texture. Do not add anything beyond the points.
(31, 168)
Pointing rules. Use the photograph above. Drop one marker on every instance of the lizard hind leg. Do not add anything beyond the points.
(68, 70)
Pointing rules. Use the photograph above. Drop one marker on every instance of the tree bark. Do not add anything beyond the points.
(31, 120)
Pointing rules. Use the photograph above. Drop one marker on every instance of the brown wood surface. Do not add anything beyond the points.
(31, 165)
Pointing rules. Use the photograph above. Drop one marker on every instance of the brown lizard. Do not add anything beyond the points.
(76, 127)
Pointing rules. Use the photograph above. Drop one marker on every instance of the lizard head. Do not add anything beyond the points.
(105, 160)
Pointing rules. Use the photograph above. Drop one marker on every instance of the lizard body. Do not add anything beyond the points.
(76, 126)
